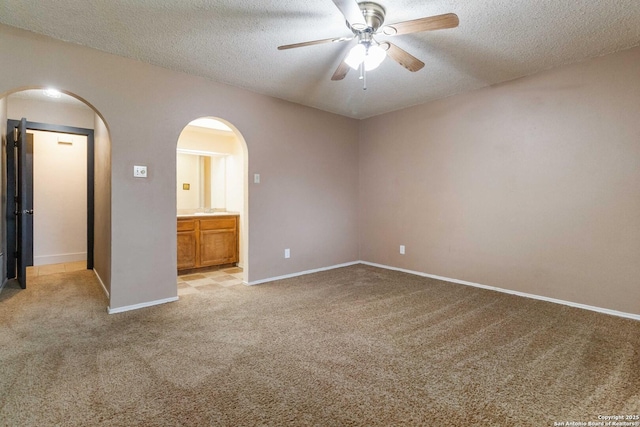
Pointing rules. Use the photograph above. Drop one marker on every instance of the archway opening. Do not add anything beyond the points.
(212, 204)
(71, 182)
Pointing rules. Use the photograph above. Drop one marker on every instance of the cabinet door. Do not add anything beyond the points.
(187, 244)
(218, 247)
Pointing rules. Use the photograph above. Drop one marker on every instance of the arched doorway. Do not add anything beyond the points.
(212, 205)
(71, 182)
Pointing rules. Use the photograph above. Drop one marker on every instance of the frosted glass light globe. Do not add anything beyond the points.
(356, 56)
(374, 57)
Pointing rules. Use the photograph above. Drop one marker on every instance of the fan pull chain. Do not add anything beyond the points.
(363, 76)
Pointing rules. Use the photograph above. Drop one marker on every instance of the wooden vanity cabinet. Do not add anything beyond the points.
(207, 241)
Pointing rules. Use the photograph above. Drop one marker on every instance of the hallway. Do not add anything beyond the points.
(44, 270)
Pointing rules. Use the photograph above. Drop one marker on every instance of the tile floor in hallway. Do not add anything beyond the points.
(43, 270)
(187, 284)
(209, 280)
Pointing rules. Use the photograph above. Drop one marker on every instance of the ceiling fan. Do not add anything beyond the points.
(365, 20)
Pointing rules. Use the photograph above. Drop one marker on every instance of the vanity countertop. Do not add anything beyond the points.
(204, 215)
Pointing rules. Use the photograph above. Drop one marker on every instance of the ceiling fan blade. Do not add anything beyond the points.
(341, 71)
(352, 13)
(333, 40)
(343, 68)
(430, 23)
(402, 57)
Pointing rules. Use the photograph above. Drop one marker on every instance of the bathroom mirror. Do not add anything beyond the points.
(201, 181)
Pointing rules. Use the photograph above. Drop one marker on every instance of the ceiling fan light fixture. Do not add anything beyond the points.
(375, 56)
(356, 56)
(366, 19)
(371, 56)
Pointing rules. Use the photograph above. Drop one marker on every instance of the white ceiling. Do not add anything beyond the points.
(235, 42)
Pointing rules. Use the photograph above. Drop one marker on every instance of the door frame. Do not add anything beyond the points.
(89, 133)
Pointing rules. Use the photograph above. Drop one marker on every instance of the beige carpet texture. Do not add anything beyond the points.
(354, 346)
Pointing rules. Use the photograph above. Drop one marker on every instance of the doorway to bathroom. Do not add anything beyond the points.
(212, 206)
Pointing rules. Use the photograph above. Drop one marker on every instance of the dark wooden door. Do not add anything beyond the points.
(19, 201)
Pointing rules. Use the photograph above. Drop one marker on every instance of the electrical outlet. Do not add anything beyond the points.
(287, 253)
(402, 249)
(140, 171)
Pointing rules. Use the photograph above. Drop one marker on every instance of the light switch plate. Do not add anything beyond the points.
(256, 178)
(140, 171)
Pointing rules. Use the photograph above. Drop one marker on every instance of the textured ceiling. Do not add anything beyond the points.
(235, 42)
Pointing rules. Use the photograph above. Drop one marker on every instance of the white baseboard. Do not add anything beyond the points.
(387, 267)
(59, 258)
(141, 305)
(301, 273)
(104, 288)
(508, 291)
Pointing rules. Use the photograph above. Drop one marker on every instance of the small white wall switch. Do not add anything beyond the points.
(287, 253)
(256, 178)
(402, 249)
(140, 171)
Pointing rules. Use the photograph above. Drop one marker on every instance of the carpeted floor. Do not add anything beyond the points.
(355, 346)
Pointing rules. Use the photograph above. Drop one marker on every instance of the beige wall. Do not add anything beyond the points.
(59, 198)
(306, 159)
(102, 203)
(218, 183)
(235, 177)
(532, 185)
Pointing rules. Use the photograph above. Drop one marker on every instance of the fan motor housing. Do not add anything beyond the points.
(373, 15)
